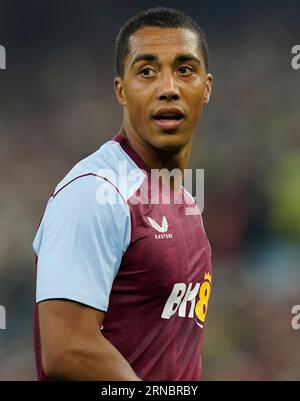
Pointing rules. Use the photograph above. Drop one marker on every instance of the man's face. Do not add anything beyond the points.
(164, 86)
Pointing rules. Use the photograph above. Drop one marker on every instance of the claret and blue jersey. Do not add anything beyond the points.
(146, 264)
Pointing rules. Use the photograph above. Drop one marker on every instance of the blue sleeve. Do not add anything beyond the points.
(80, 243)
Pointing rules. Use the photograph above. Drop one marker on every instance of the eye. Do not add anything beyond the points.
(185, 70)
(147, 72)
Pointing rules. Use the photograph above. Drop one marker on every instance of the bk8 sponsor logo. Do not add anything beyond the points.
(182, 301)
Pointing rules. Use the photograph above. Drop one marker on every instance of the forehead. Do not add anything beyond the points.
(163, 42)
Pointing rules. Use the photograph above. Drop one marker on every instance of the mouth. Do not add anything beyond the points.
(168, 119)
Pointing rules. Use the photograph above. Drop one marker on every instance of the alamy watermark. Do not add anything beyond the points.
(295, 322)
(2, 58)
(2, 318)
(296, 59)
(160, 186)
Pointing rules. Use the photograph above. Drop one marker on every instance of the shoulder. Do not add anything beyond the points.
(108, 169)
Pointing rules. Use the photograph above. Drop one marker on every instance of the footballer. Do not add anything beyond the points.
(123, 282)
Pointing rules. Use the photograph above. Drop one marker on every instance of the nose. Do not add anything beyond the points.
(168, 89)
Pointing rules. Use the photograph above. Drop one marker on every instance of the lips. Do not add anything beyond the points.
(168, 118)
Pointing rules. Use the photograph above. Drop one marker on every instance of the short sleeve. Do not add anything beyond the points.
(80, 242)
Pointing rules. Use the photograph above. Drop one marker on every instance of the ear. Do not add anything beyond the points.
(208, 88)
(119, 89)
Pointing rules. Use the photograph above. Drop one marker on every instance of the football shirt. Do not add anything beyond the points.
(107, 240)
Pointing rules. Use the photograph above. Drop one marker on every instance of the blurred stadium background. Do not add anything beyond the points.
(58, 105)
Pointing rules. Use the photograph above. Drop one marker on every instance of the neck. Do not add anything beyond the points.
(159, 158)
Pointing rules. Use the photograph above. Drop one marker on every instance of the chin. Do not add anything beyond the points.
(170, 142)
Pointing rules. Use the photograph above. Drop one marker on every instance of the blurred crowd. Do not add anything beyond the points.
(59, 106)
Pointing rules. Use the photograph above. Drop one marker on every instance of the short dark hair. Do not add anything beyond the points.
(162, 17)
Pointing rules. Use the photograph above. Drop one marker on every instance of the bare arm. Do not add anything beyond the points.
(73, 347)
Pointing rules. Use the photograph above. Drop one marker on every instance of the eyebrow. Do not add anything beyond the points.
(144, 57)
(151, 58)
(187, 57)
